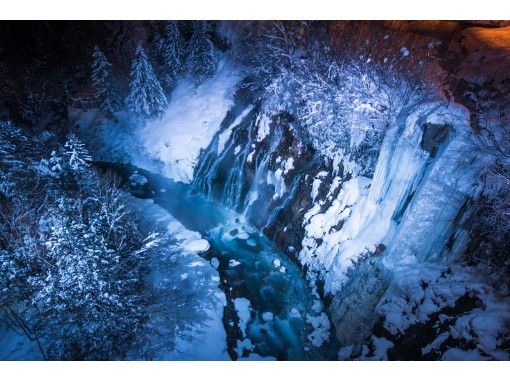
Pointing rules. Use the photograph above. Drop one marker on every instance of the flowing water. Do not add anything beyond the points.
(271, 309)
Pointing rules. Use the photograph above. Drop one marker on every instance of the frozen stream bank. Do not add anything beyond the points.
(270, 311)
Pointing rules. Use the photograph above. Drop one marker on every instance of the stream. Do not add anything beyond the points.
(271, 310)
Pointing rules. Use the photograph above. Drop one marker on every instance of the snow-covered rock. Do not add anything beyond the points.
(420, 180)
(199, 245)
(138, 179)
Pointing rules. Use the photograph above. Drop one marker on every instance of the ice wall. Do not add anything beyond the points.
(352, 233)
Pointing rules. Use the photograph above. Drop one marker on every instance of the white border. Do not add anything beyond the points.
(254, 9)
(253, 370)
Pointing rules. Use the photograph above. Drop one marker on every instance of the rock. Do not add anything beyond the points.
(233, 263)
(200, 245)
(267, 316)
(294, 313)
(215, 262)
(243, 235)
(233, 232)
(138, 180)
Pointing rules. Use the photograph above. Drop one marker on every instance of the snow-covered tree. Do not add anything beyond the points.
(73, 257)
(172, 51)
(202, 57)
(68, 166)
(102, 81)
(12, 140)
(77, 155)
(146, 97)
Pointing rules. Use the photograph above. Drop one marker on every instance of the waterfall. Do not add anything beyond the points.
(259, 190)
(244, 168)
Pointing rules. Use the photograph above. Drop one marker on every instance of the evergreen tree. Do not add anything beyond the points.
(201, 59)
(172, 51)
(101, 79)
(69, 165)
(14, 149)
(146, 97)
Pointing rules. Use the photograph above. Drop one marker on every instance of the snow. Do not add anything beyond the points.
(242, 345)
(436, 343)
(191, 120)
(249, 159)
(321, 325)
(196, 264)
(363, 214)
(382, 345)
(345, 352)
(404, 51)
(458, 354)
(338, 247)
(233, 263)
(15, 345)
(288, 165)
(138, 179)
(225, 135)
(267, 316)
(408, 302)
(276, 179)
(199, 245)
(171, 145)
(263, 122)
(215, 262)
(276, 263)
(208, 337)
(315, 188)
(243, 309)
(294, 313)
(317, 183)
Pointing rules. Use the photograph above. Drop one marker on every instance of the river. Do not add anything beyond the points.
(270, 310)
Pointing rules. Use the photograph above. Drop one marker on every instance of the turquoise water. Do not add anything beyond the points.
(250, 268)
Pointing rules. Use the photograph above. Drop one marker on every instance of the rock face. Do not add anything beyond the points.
(327, 218)
(353, 234)
(261, 169)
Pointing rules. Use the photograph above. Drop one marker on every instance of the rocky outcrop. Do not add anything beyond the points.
(327, 218)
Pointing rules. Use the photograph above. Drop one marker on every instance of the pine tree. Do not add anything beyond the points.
(172, 51)
(69, 166)
(146, 97)
(89, 290)
(14, 149)
(101, 79)
(202, 59)
(77, 155)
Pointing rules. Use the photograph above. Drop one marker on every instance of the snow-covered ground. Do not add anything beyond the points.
(198, 333)
(192, 118)
(170, 145)
(14, 345)
(409, 205)
(421, 290)
(203, 339)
